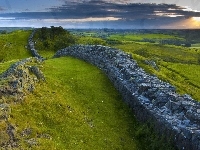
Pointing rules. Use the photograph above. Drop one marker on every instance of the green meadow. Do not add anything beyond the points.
(177, 65)
(77, 107)
(13, 45)
(139, 37)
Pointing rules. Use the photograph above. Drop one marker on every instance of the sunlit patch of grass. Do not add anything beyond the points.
(140, 37)
(90, 40)
(162, 52)
(178, 66)
(46, 54)
(14, 45)
(78, 108)
(184, 76)
(197, 45)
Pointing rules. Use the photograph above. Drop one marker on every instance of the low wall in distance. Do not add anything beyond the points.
(31, 46)
(173, 115)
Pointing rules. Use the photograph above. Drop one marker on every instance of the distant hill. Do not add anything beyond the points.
(10, 29)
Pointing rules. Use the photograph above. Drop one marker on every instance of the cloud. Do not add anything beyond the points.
(1, 8)
(96, 8)
(110, 13)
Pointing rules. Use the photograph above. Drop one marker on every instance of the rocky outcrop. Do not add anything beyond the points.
(152, 64)
(20, 77)
(15, 82)
(152, 100)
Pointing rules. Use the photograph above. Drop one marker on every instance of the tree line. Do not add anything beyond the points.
(53, 38)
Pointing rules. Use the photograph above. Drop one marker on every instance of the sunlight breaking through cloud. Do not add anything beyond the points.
(110, 13)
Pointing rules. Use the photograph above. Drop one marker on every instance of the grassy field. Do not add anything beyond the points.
(184, 76)
(13, 45)
(46, 54)
(197, 46)
(163, 52)
(178, 65)
(140, 37)
(91, 41)
(78, 108)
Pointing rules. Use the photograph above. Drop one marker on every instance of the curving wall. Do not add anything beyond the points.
(152, 100)
(31, 46)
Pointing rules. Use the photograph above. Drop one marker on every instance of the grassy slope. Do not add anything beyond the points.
(178, 65)
(80, 109)
(161, 52)
(184, 76)
(12, 45)
(69, 108)
(91, 40)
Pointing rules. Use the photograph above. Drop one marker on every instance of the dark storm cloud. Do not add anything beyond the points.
(128, 11)
(95, 9)
(130, 15)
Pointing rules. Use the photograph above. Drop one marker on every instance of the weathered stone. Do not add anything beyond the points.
(32, 142)
(20, 78)
(31, 46)
(26, 132)
(144, 87)
(10, 132)
(175, 107)
(35, 70)
(152, 63)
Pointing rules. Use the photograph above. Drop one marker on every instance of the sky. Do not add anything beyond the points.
(121, 14)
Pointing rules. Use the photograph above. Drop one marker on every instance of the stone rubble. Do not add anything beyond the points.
(152, 64)
(152, 100)
(16, 81)
(21, 77)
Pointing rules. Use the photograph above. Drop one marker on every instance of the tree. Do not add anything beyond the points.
(198, 59)
(53, 38)
(44, 33)
(3, 32)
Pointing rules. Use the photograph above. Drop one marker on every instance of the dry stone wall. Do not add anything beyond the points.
(31, 46)
(152, 100)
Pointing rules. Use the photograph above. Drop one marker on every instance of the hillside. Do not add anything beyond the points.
(77, 100)
(171, 61)
(14, 45)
